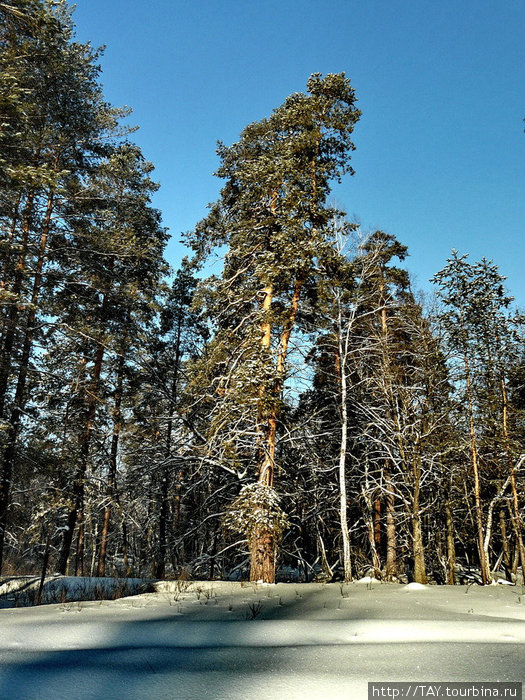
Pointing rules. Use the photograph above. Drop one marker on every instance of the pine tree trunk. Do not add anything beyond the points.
(262, 557)
(391, 538)
(418, 549)
(267, 465)
(451, 547)
(263, 542)
(420, 573)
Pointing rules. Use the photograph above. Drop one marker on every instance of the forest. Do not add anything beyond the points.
(303, 412)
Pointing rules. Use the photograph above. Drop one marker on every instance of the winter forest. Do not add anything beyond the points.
(284, 405)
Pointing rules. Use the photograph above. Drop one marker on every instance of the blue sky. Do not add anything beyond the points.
(440, 159)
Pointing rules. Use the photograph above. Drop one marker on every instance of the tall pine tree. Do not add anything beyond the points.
(272, 217)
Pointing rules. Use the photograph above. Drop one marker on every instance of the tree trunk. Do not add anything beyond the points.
(45, 563)
(506, 559)
(485, 573)
(391, 539)
(328, 572)
(451, 547)
(81, 542)
(127, 567)
(160, 564)
(262, 557)
(373, 510)
(112, 474)
(420, 573)
(343, 517)
(418, 549)
(263, 542)
(377, 524)
(515, 508)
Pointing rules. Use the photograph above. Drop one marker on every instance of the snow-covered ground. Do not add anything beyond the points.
(234, 640)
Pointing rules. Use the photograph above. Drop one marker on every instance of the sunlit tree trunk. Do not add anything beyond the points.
(451, 546)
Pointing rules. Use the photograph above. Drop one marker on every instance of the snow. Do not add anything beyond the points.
(413, 586)
(237, 640)
(368, 579)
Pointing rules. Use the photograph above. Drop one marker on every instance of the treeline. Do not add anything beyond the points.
(299, 409)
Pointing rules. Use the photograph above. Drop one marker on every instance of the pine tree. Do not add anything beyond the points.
(113, 268)
(273, 218)
(54, 127)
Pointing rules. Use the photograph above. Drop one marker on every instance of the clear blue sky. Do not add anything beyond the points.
(440, 159)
